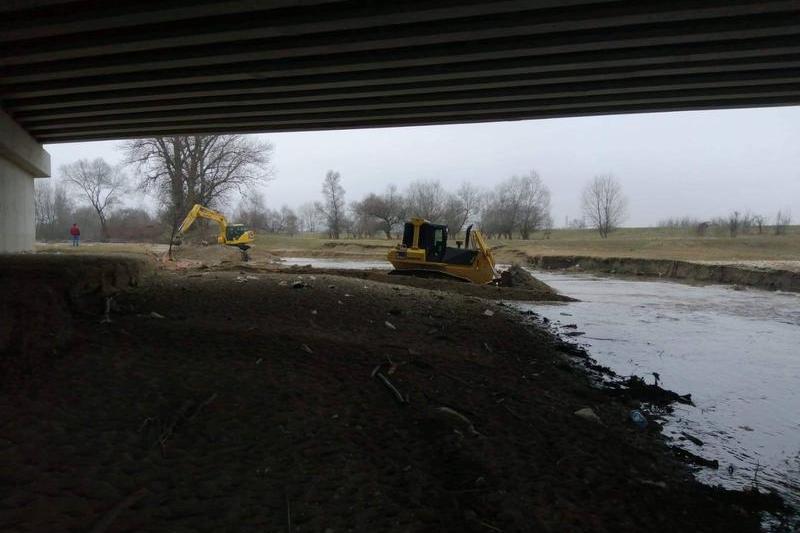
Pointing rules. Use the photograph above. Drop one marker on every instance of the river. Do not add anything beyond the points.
(736, 351)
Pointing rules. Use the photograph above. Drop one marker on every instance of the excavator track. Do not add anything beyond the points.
(430, 274)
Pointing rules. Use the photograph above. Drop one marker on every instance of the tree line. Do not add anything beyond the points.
(216, 170)
(517, 206)
(734, 224)
(177, 172)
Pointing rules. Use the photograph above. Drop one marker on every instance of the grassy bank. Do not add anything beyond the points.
(661, 243)
(645, 243)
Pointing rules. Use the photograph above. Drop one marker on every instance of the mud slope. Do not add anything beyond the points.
(234, 402)
(533, 291)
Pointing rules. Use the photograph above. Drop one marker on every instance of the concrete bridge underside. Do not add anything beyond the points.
(86, 70)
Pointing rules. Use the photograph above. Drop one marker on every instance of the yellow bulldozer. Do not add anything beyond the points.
(237, 235)
(424, 252)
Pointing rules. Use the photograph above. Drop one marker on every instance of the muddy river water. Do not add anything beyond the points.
(736, 351)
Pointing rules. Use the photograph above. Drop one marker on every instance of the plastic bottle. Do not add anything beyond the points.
(638, 419)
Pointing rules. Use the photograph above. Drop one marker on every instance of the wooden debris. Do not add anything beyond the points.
(453, 414)
(689, 457)
(376, 373)
(108, 520)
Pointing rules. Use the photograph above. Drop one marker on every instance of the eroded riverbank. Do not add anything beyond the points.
(762, 275)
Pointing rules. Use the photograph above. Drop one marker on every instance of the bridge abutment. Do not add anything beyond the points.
(21, 160)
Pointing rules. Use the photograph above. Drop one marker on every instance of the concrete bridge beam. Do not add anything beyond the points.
(21, 160)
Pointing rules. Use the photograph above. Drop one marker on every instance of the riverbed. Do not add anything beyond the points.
(737, 352)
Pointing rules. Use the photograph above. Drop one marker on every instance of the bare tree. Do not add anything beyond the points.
(685, 222)
(53, 209)
(289, 220)
(748, 221)
(603, 203)
(454, 213)
(471, 201)
(308, 217)
(44, 208)
(533, 203)
(461, 206)
(577, 223)
(389, 209)
(499, 215)
(519, 204)
(758, 222)
(426, 199)
(362, 222)
(734, 223)
(333, 206)
(252, 211)
(782, 220)
(547, 226)
(198, 169)
(100, 183)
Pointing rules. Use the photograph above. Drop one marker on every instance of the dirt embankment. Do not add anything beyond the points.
(258, 401)
(762, 277)
(39, 293)
(532, 291)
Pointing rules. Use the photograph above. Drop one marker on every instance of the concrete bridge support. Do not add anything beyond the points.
(21, 160)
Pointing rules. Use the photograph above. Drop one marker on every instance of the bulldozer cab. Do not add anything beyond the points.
(433, 239)
(424, 251)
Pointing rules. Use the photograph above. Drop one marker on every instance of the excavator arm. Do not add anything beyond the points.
(198, 211)
(236, 235)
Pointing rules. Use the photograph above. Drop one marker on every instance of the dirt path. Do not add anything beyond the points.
(228, 401)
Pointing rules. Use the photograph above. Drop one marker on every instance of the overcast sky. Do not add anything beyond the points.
(701, 163)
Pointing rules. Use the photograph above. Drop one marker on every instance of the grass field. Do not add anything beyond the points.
(663, 243)
(645, 243)
(648, 243)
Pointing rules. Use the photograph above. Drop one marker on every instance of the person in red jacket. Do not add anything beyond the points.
(75, 231)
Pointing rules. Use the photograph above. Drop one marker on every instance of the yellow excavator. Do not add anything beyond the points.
(424, 252)
(237, 235)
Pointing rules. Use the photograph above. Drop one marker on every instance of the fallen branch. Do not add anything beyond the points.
(170, 429)
(490, 526)
(692, 438)
(107, 316)
(104, 523)
(515, 415)
(427, 366)
(455, 414)
(695, 459)
(456, 379)
(398, 396)
(147, 422)
(199, 407)
(288, 515)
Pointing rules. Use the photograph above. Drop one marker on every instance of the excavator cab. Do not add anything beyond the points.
(424, 251)
(234, 231)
